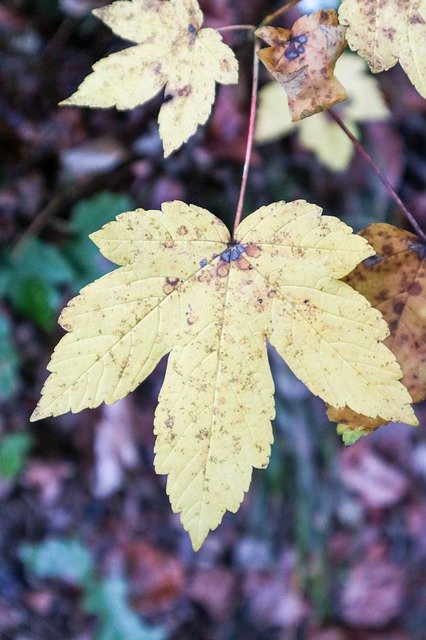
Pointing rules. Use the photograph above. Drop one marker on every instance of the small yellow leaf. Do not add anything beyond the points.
(319, 133)
(384, 32)
(172, 51)
(186, 288)
(302, 60)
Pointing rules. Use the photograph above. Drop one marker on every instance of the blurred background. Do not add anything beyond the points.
(330, 542)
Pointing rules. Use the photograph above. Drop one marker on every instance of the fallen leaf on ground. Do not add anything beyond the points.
(384, 32)
(274, 598)
(379, 484)
(213, 589)
(373, 594)
(394, 282)
(157, 578)
(320, 133)
(172, 51)
(302, 60)
(186, 288)
(115, 449)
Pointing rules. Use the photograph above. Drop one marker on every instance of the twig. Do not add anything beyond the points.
(272, 16)
(250, 135)
(238, 27)
(67, 197)
(379, 174)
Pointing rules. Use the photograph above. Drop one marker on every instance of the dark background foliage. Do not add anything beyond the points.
(330, 543)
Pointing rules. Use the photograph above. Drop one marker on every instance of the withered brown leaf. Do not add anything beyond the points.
(302, 60)
(394, 282)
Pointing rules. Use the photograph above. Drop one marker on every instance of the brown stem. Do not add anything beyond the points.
(379, 174)
(272, 16)
(250, 135)
(238, 27)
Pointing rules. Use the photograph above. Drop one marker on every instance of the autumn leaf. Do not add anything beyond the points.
(319, 133)
(394, 282)
(302, 60)
(172, 51)
(186, 288)
(384, 32)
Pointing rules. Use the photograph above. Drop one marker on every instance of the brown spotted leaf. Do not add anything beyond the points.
(302, 60)
(171, 51)
(185, 288)
(384, 32)
(394, 282)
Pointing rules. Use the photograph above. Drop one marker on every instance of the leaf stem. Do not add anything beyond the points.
(238, 27)
(250, 134)
(272, 16)
(379, 174)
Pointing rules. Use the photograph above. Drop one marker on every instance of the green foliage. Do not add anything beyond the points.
(87, 216)
(59, 559)
(68, 560)
(116, 620)
(31, 280)
(9, 360)
(14, 449)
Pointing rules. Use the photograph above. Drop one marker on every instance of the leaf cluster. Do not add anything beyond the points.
(212, 300)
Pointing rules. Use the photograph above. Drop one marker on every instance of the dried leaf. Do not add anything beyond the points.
(319, 133)
(394, 282)
(384, 32)
(185, 287)
(302, 60)
(172, 51)
(373, 594)
(115, 449)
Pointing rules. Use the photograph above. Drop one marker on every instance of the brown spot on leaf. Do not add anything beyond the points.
(170, 285)
(243, 264)
(387, 249)
(416, 18)
(398, 308)
(253, 250)
(222, 269)
(415, 289)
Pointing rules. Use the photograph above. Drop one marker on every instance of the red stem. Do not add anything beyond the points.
(379, 174)
(272, 16)
(250, 136)
(238, 27)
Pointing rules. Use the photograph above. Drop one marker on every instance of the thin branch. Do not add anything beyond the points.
(238, 27)
(273, 16)
(68, 196)
(250, 135)
(379, 174)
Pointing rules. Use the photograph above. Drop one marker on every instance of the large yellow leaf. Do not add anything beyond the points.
(172, 51)
(387, 31)
(185, 287)
(320, 133)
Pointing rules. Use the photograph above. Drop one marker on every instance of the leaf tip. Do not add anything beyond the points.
(36, 414)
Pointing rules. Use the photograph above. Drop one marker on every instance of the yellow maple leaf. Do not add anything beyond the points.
(186, 288)
(319, 133)
(384, 32)
(172, 51)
